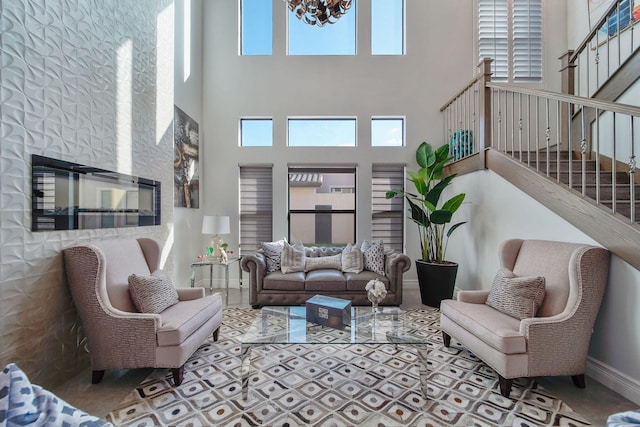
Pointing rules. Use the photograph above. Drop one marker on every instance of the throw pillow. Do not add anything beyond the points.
(352, 261)
(292, 258)
(373, 255)
(317, 263)
(151, 294)
(273, 253)
(519, 297)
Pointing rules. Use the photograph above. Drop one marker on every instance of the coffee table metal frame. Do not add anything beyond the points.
(288, 325)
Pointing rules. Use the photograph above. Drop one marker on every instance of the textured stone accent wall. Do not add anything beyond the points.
(87, 81)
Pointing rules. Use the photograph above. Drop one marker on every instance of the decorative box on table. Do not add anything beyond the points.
(329, 311)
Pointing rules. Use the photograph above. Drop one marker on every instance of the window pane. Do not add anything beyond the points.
(387, 132)
(387, 27)
(256, 132)
(322, 132)
(331, 39)
(256, 27)
(322, 228)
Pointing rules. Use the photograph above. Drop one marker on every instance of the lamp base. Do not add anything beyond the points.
(216, 242)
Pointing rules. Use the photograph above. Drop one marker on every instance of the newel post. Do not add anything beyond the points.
(484, 101)
(567, 70)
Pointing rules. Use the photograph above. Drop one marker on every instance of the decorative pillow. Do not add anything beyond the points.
(373, 255)
(292, 257)
(151, 294)
(317, 263)
(352, 261)
(519, 297)
(273, 253)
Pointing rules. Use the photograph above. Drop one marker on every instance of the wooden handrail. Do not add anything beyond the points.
(615, 107)
(594, 30)
(485, 69)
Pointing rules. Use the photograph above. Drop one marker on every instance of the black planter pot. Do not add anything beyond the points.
(436, 281)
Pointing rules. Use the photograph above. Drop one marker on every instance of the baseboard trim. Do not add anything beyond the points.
(614, 379)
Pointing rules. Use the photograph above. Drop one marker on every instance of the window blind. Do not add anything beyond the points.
(510, 32)
(387, 220)
(256, 206)
(527, 40)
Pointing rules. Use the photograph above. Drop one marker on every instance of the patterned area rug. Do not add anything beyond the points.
(337, 385)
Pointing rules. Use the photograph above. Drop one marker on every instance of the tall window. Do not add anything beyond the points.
(387, 27)
(256, 206)
(322, 132)
(387, 215)
(338, 38)
(256, 27)
(322, 205)
(256, 132)
(510, 32)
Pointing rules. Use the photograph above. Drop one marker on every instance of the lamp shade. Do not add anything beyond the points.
(215, 225)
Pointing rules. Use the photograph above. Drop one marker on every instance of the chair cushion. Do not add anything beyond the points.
(519, 297)
(373, 254)
(292, 258)
(184, 318)
(496, 329)
(284, 282)
(325, 280)
(358, 282)
(324, 262)
(352, 259)
(152, 294)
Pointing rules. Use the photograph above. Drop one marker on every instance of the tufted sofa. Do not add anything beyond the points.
(278, 288)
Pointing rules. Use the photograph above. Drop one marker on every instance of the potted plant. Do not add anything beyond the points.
(436, 275)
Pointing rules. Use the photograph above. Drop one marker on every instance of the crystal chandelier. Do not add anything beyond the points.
(319, 12)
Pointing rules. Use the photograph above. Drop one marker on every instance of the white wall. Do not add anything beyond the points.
(189, 241)
(496, 211)
(87, 83)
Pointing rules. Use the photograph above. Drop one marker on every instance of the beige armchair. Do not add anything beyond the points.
(556, 341)
(118, 336)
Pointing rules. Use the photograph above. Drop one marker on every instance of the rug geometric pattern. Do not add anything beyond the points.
(337, 385)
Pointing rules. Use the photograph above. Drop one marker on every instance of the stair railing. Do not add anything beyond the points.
(606, 47)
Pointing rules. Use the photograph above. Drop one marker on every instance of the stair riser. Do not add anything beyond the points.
(622, 192)
(541, 155)
(590, 178)
(576, 165)
(624, 209)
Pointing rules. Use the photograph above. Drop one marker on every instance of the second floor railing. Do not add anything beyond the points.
(593, 154)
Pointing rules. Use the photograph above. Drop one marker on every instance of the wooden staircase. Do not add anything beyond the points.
(549, 164)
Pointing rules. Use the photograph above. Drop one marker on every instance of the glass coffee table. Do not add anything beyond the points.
(288, 325)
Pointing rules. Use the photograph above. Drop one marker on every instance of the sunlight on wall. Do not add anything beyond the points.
(124, 143)
(164, 72)
(186, 40)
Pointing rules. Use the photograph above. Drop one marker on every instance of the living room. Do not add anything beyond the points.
(97, 85)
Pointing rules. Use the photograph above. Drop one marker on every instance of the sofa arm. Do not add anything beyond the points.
(396, 264)
(188, 294)
(473, 297)
(255, 264)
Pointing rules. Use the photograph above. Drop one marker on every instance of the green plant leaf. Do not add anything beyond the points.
(441, 216)
(453, 227)
(392, 193)
(418, 215)
(434, 194)
(419, 182)
(442, 153)
(453, 203)
(425, 155)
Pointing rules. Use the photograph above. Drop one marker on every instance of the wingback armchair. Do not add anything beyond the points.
(120, 337)
(556, 340)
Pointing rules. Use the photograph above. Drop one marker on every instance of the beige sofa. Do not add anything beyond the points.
(118, 336)
(278, 288)
(555, 341)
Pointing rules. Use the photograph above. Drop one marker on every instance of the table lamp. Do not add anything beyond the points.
(216, 225)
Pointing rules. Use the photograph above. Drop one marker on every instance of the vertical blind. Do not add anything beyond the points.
(256, 206)
(510, 32)
(387, 215)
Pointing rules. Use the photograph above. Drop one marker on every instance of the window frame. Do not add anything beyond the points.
(253, 119)
(353, 119)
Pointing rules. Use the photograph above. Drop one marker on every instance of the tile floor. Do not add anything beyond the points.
(595, 402)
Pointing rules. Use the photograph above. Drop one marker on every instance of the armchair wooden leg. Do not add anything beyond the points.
(216, 333)
(578, 380)
(96, 376)
(505, 386)
(446, 338)
(178, 375)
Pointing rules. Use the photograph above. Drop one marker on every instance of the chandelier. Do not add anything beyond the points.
(319, 12)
